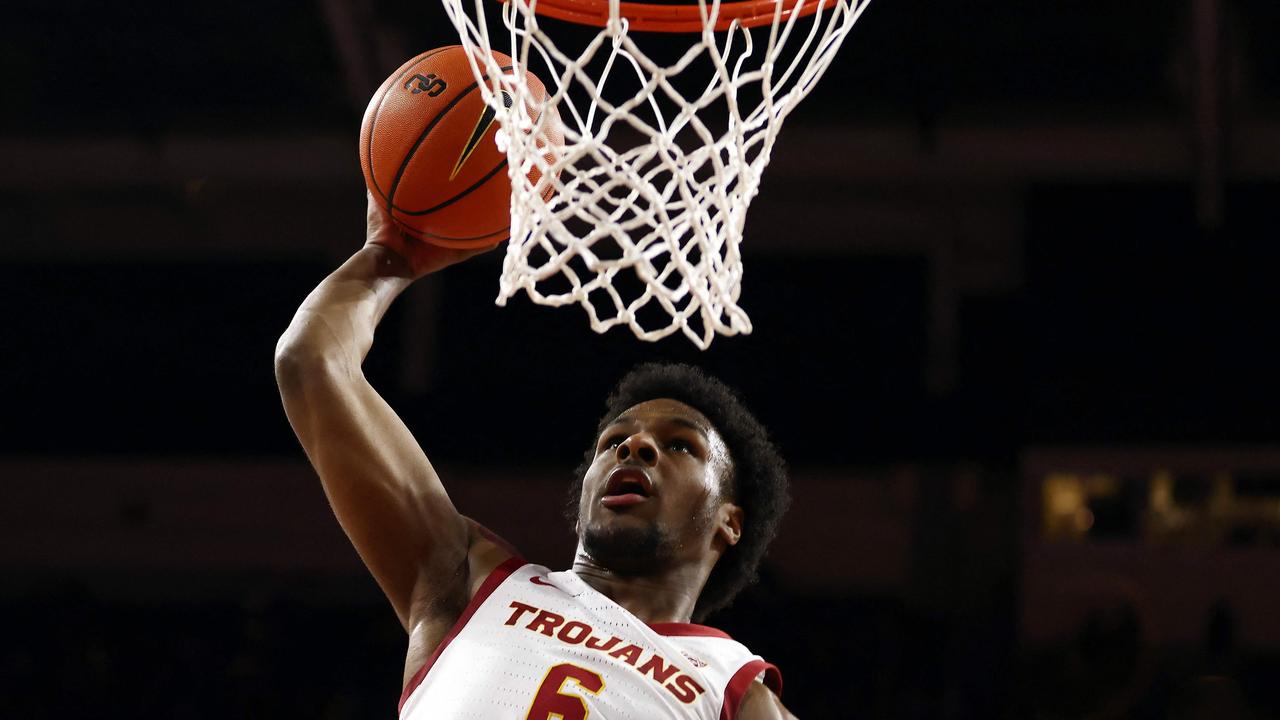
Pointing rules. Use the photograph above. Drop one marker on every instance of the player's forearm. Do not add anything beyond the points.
(335, 324)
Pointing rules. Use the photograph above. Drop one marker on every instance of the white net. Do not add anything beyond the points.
(638, 214)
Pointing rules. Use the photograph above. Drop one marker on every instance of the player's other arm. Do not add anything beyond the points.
(761, 704)
(382, 487)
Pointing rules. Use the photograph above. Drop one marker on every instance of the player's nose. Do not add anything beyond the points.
(638, 447)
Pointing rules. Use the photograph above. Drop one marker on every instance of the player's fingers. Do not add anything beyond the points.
(376, 213)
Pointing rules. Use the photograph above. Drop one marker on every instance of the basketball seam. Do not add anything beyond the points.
(455, 198)
(404, 164)
(423, 235)
(437, 236)
(382, 97)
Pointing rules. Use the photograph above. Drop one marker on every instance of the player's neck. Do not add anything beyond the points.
(666, 596)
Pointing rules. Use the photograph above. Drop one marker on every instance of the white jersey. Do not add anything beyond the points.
(539, 644)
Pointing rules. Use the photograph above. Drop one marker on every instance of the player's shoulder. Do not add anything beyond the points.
(762, 703)
(711, 643)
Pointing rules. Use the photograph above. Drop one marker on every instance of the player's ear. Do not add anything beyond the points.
(729, 524)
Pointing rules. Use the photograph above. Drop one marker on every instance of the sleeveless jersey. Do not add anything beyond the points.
(539, 644)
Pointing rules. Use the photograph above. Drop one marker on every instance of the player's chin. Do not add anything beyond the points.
(605, 518)
(626, 546)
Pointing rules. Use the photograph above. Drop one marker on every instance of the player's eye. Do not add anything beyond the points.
(680, 446)
(613, 441)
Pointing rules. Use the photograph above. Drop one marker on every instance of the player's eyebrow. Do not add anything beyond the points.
(620, 420)
(692, 425)
(673, 419)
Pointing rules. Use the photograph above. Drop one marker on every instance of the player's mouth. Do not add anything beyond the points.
(628, 485)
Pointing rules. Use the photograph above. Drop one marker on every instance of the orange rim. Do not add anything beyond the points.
(674, 18)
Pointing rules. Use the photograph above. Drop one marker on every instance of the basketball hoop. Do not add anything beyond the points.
(639, 215)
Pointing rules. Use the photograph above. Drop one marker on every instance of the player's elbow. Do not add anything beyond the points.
(289, 360)
(298, 361)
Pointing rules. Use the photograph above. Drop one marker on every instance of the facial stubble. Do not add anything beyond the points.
(638, 550)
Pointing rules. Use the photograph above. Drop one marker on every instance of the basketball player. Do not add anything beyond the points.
(675, 504)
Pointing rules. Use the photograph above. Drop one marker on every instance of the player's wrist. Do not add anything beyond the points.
(387, 259)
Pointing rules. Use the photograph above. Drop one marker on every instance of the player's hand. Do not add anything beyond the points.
(423, 258)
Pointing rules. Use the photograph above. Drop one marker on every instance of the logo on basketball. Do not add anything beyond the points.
(487, 116)
(429, 84)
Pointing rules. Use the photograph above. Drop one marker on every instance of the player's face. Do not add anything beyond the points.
(654, 492)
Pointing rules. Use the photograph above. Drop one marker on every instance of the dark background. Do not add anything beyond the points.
(994, 230)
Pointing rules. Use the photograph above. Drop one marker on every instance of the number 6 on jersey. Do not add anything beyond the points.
(552, 703)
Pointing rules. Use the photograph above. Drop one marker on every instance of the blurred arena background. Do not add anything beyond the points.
(1012, 279)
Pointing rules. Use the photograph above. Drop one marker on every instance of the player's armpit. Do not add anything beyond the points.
(488, 551)
(761, 704)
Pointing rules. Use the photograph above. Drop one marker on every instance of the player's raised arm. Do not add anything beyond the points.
(383, 489)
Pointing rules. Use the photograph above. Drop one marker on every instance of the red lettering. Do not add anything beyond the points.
(685, 688)
(553, 703)
(521, 609)
(595, 644)
(566, 633)
(630, 653)
(546, 622)
(658, 669)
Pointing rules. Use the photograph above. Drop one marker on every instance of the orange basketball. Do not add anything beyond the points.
(429, 156)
